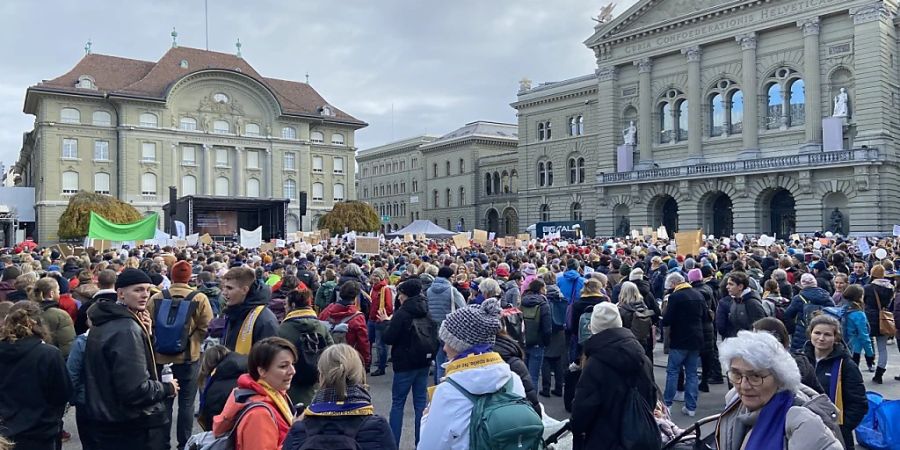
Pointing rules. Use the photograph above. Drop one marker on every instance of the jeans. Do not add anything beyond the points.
(186, 374)
(417, 381)
(557, 367)
(881, 344)
(678, 359)
(439, 359)
(376, 340)
(535, 359)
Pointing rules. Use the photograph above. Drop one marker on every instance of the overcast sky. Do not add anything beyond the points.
(436, 64)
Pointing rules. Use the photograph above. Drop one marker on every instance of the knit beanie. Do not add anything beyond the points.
(636, 274)
(605, 316)
(689, 264)
(877, 272)
(156, 279)
(472, 325)
(411, 287)
(130, 277)
(181, 272)
(808, 280)
(694, 275)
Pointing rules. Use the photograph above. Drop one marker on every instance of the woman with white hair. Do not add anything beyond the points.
(768, 408)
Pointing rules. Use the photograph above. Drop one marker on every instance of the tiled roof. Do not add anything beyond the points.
(133, 78)
(483, 129)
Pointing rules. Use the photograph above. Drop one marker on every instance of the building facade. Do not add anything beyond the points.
(204, 122)
(727, 101)
(441, 179)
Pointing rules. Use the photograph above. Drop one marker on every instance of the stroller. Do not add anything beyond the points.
(692, 439)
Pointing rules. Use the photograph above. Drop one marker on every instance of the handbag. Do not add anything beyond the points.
(886, 325)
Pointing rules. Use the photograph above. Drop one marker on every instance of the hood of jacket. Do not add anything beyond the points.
(105, 294)
(571, 275)
(47, 304)
(839, 351)
(509, 285)
(619, 348)
(532, 299)
(416, 306)
(17, 296)
(210, 289)
(817, 296)
(259, 294)
(507, 347)
(232, 366)
(553, 291)
(11, 351)
(825, 274)
(85, 291)
(338, 311)
(7, 286)
(440, 285)
(104, 312)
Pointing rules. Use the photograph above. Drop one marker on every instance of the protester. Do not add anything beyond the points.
(382, 305)
(685, 315)
(554, 365)
(45, 294)
(248, 319)
(310, 337)
(807, 370)
(538, 327)
(856, 326)
(745, 307)
(879, 294)
(443, 299)
(346, 312)
(106, 291)
(512, 353)
(220, 369)
(806, 304)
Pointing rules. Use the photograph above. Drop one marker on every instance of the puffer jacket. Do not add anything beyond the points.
(512, 354)
(122, 387)
(60, 325)
(570, 284)
(298, 326)
(357, 334)
(511, 294)
(256, 430)
(439, 296)
(856, 332)
(803, 427)
(885, 292)
(214, 294)
(853, 389)
(372, 432)
(802, 305)
(85, 292)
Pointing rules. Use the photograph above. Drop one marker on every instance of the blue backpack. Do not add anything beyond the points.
(171, 325)
(558, 307)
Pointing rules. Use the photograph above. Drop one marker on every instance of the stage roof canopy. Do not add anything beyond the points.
(426, 227)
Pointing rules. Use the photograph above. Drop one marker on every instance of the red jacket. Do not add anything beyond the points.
(256, 431)
(358, 334)
(67, 304)
(382, 286)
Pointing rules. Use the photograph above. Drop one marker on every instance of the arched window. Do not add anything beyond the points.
(101, 119)
(221, 127)
(434, 170)
(575, 211)
(549, 173)
(448, 197)
(337, 139)
(317, 137)
(222, 187)
(667, 123)
(148, 120)
(462, 196)
(69, 182)
(580, 165)
(435, 199)
(540, 131)
(717, 110)
(497, 187)
(797, 102)
(726, 109)
(69, 115)
(487, 184)
(289, 189)
(573, 126)
(736, 112)
(148, 184)
(775, 106)
(514, 180)
(580, 125)
(188, 185)
(786, 93)
(573, 171)
(447, 168)
(338, 192)
(318, 192)
(683, 120)
(542, 174)
(187, 124)
(545, 213)
(101, 183)
(673, 117)
(504, 181)
(253, 188)
(251, 129)
(288, 133)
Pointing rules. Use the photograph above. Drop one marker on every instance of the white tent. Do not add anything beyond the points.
(426, 227)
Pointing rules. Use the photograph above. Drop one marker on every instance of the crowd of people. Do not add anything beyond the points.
(275, 347)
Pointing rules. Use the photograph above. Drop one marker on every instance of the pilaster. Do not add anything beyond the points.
(695, 105)
(240, 181)
(645, 113)
(607, 113)
(874, 75)
(750, 132)
(813, 79)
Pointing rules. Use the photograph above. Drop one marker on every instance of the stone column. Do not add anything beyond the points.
(645, 114)
(695, 106)
(872, 111)
(812, 76)
(607, 112)
(208, 179)
(267, 173)
(240, 181)
(750, 132)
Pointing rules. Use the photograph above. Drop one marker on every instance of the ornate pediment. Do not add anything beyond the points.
(219, 103)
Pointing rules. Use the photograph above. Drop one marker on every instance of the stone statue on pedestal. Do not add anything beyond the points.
(840, 104)
(624, 226)
(630, 134)
(837, 221)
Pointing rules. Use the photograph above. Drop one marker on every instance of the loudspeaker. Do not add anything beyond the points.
(302, 204)
(173, 200)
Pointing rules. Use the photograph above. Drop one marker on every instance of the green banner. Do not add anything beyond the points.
(101, 228)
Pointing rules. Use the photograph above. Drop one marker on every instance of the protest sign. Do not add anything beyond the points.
(896, 230)
(523, 237)
(206, 239)
(688, 242)
(461, 241)
(863, 245)
(407, 237)
(662, 233)
(367, 245)
(266, 247)
(480, 236)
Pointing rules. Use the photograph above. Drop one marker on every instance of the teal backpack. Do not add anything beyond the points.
(503, 421)
(584, 325)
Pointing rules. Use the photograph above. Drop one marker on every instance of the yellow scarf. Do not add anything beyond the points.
(245, 335)
(469, 362)
(682, 286)
(280, 400)
(299, 313)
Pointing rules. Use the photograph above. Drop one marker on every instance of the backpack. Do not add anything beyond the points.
(171, 324)
(309, 347)
(515, 323)
(769, 307)
(502, 421)
(532, 319)
(328, 297)
(207, 440)
(638, 429)
(584, 324)
(809, 311)
(340, 329)
(423, 339)
(642, 323)
(737, 315)
(558, 307)
(332, 434)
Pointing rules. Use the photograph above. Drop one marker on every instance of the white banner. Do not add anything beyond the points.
(192, 239)
(180, 229)
(251, 239)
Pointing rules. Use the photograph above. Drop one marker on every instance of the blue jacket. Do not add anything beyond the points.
(723, 325)
(439, 296)
(75, 367)
(802, 304)
(856, 332)
(373, 433)
(570, 284)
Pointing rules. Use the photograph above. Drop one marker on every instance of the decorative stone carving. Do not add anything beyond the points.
(608, 73)
(524, 85)
(630, 134)
(870, 13)
(809, 26)
(685, 187)
(840, 104)
(692, 53)
(804, 180)
(740, 186)
(636, 194)
(644, 65)
(747, 40)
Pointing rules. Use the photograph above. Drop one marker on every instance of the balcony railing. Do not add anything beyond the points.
(775, 163)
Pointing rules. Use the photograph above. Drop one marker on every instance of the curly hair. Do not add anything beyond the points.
(762, 351)
(24, 320)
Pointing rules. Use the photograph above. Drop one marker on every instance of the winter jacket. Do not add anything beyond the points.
(34, 389)
(723, 324)
(81, 318)
(854, 398)
(296, 327)
(580, 305)
(198, 323)
(803, 427)
(372, 432)
(256, 430)
(709, 329)
(511, 294)
(122, 387)
(825, 280)
(649, 299)
(885, 292)
(308, 278)
(60, 326)
(861, 280)
(85, 292)
(217, 388)
(446, 425)
(214, 295)
(570, 284)
(439, 296)
(17, 296)
(75, 368)
(6, 287)
(363, 287)
(755, 311)
(615, 359)
(266, 322)
(685, 316)
(802, 305)
(398, 334)
(856, 332)
(325, 294)
(278, 303)
(357, 334)
(807, 373)
(67, 304)
(545, 321)
(512, 354)
(378, 291)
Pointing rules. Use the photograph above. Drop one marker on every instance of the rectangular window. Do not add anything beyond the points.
(101, 150)
(318, 164)
(289, 161)
(70, 149)
(339, 166)
(253, 159)
(148, 151)
(69, 182)
(221, 157)
(188, 156)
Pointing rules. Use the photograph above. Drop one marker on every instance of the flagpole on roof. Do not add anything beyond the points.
(206, 21)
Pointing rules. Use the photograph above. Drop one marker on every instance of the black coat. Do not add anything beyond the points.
(580, 305)
(398, 334)
(649, 299)
(219, 386)
(513, 355)
(373, 433)
(871, 302)
(685, 314)
(614, 359)
(854, 390)
(545, 322)
(34, 389)
(266, 323)
(122, 388)
(709, 329)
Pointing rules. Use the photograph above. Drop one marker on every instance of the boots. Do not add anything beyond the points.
(870, 362)
(879, 372)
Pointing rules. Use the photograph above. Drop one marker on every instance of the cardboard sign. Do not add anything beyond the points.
(65, 250)
(662, 232)
(367, 245)
(206, 239)
(324, 234)
(523, 237)
(266, 247)
(635, 234)
(646, 231)
(181, 243)
(688, 242)
(480, 236)
(509, 241)
(408, 237)
(421, 237)
(100, 245)
(461, 241)
(311, 240)
(78, 251)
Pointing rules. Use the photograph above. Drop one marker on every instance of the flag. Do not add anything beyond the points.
(103, 229)
(251, 239)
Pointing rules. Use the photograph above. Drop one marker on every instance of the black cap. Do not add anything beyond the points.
(411, 287)
(130, 277)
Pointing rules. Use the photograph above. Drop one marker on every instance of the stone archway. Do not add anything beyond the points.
(492, 220)
(510, 221)
(777, 212)
(717, 214)
(663, 210)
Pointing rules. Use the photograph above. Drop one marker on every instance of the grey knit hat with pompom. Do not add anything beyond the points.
(472, 325)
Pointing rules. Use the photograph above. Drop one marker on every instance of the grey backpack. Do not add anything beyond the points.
(209, 441)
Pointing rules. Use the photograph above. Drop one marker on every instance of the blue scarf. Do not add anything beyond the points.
(475, 350)
(768, 433)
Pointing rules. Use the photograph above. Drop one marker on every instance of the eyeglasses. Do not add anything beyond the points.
(752, 379)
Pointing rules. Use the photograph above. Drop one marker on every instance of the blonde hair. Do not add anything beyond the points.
(630, 294)
(132, 263)
(592, 286)
(42, 289)
(340, 366)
